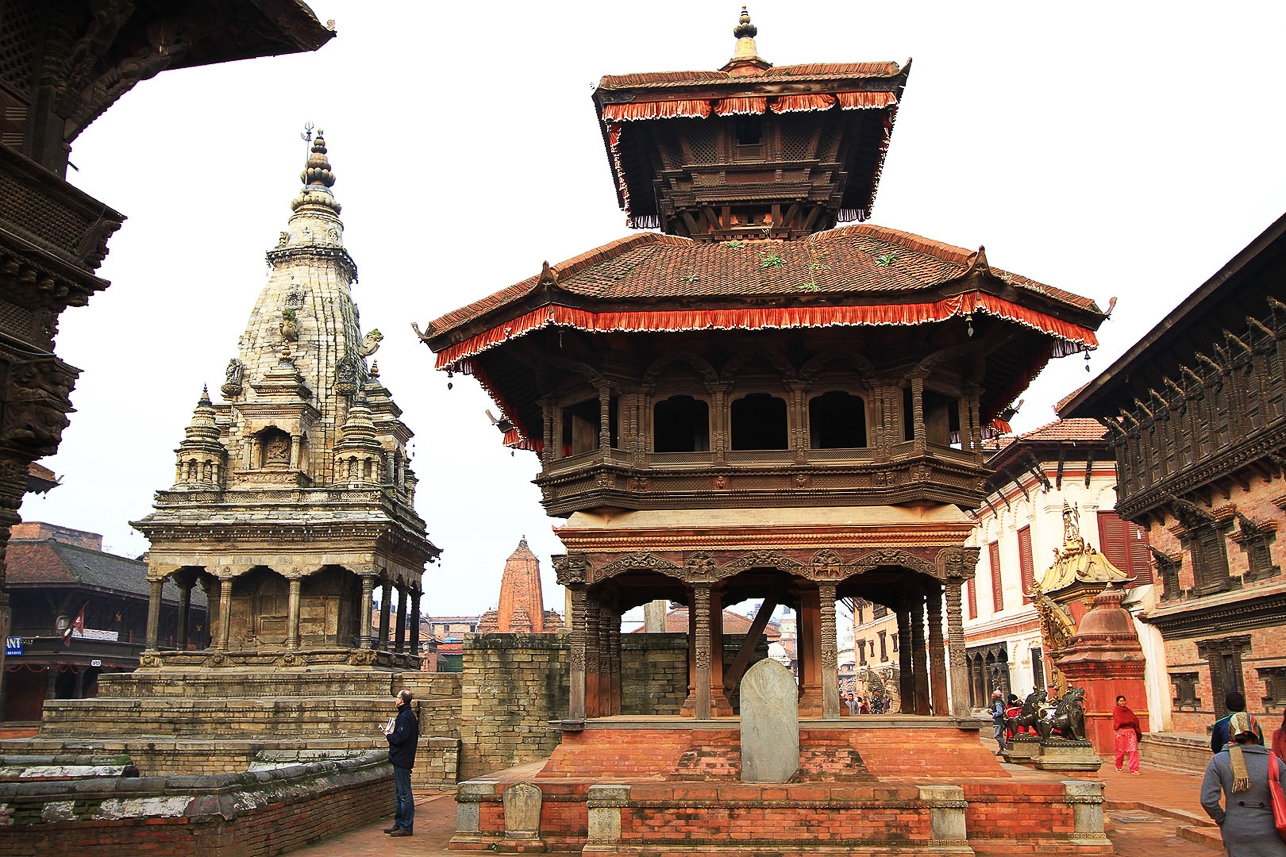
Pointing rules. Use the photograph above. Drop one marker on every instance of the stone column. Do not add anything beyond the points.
(51, 681)
(906, 674)
(294, 451)
(576, 655)
(937, 652)
(399, 636)
(154, 613)
(292, 617)
(830, 656)
(919, 659)
(205, 582)
(185, 607)
(415, 622)
(654, 616)
(225, 612)
(701, 609)
(956, 650)
(79, 692)
(386, 599)
(368, 592)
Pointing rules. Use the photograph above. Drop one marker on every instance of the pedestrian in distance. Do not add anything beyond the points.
(1125, 723)
(1239, 773)
(998, 718)
(403, 736)
(1219, 735)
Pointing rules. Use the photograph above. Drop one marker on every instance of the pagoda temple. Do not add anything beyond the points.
(293, 499)
(757, 402)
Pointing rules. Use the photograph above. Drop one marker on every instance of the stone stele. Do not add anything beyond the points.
(522, 811)
(769, 724)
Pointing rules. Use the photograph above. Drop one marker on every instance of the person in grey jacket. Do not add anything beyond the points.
(1240, 774)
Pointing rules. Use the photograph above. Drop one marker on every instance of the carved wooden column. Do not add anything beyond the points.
(701, 608)
(720, 421)
(415, 622)
(593, 666)
(808, 648)
(906, 674)
(154, 612)
(796, 423)
(604, 419)
(919, 655)
(956, 650)
(386, 597)
(576, 655)
(917, 412)
(830, 655)
(605, 616)
(364, 626)
(937, 651)
(400, 634)
(720, 705)
(547, 449)
(225, 612)
(292, 616)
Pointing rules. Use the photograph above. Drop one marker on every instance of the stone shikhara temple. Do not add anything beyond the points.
(755, 404)
(293, 499)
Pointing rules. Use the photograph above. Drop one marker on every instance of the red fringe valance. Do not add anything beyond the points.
(1070, 338)
(865, 100)
(751, 106)
(802, 103)
(656, 110)
(515, 439)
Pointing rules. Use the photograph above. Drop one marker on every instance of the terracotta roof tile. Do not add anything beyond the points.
(803, 73)
(52, 563)
(863, 261)
(1079, 428)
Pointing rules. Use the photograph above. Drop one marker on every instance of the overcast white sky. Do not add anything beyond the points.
(1111, 149)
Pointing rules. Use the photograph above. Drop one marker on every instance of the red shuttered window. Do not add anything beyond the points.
(1126, 546)
(971, 597)
(997, 587)
(1026, 563)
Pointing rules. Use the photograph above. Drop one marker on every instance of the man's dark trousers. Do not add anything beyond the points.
(404, 819)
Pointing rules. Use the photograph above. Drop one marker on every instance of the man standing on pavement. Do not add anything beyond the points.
(402, 740)
(1235, 702)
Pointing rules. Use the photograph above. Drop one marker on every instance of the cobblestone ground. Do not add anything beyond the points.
(1152, 814)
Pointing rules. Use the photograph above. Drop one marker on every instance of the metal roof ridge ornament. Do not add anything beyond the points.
(745, 59)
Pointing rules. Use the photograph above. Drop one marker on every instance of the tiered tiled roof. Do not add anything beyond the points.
(48, 563)
(867, 265)
(799, 73)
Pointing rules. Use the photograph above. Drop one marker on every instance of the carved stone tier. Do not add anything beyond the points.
(265, 659)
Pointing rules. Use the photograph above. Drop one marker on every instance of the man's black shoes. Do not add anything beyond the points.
(400, 832)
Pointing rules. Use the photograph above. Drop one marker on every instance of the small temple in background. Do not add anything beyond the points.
(758, 403)
(522, 606)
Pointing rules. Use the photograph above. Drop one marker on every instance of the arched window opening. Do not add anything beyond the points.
(681, 424)
(759, 422)
(941, 419)
(274, 448)
(836, 420)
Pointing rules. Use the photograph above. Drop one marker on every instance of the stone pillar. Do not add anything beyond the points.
(154, 612)
(185, 608)
(1086, 800)
(830, 655)
(79, 692)
(225, 612)
(51, 681)
(947, 807)
(701, 609)
(294, 451)
(919, 659)
(399, 636)
(576, 655)
(937, 652)
(205, 581)
(368, 592)
(292, 617)
(604, 806)
(386, 601)
(654, 616)
(415, 622)
(906, 669)
(956, 650)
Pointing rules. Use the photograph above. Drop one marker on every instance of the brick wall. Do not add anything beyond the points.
(247, 815)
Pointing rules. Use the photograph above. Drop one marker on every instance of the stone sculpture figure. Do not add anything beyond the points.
(1032, 712)
(1068, 718)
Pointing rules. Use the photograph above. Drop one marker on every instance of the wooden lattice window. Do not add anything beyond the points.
(879, 611)
(861, 651)
(1125, 545)
(1254, 540)
(1224, 655)
(1209, 560)
(1026, 563)
(1274, 679)
(1185, 691)
(997, 585)
(1168, 571)
(884, 646)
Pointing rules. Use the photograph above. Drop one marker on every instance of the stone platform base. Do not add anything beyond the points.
(627, 786)
(1175, 750)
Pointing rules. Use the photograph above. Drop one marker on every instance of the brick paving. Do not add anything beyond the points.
(1153, 814)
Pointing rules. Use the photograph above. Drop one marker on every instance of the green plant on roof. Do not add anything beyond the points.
(886, 260)
(288, 314)
(818, 266)
(734, 244)
(810, 286)
(691, 278)
(771, 260)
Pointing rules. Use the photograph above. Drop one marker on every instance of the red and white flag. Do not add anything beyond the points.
(77, 624)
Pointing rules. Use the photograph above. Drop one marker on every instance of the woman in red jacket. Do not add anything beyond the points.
(1126, 725)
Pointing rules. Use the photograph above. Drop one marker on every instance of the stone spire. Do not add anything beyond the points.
(201, 457)
(318, 179)
(522, 607)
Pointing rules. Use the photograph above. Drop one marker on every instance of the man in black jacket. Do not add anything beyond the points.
(402, 740)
